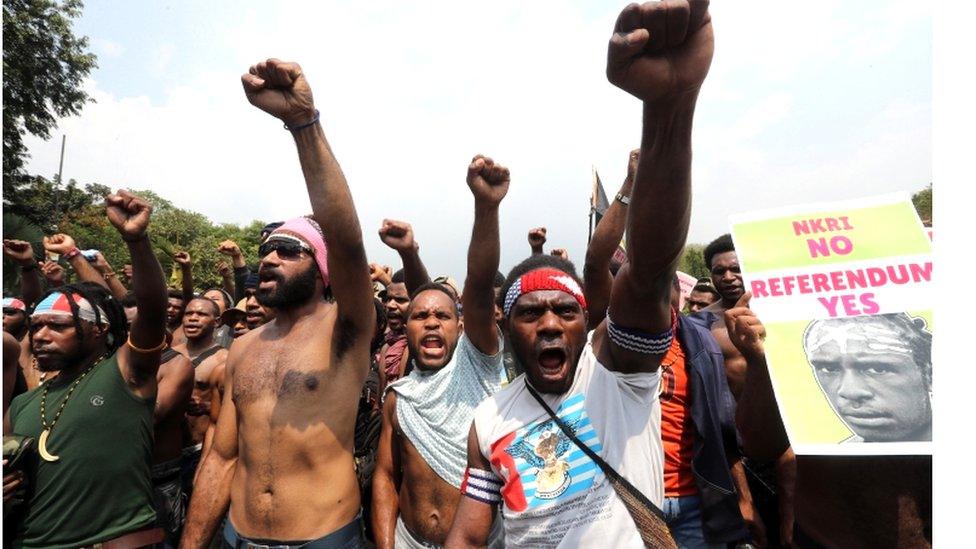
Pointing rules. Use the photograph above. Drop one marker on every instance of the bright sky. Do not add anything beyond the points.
(804, 102)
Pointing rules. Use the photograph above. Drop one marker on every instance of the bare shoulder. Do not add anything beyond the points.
(178, 366)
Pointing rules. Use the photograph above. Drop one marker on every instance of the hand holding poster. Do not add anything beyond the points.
(843, 291)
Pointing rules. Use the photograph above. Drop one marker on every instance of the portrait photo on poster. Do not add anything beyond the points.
(876, 372)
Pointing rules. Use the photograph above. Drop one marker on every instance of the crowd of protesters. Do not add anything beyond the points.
(319, 400)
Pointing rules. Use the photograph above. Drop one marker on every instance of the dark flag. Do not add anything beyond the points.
(598, 203)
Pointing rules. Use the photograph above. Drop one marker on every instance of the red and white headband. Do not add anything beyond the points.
(543, 279)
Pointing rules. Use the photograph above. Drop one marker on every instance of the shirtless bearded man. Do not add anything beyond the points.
(282, 457)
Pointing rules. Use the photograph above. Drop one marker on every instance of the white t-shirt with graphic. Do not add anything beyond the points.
(553, 495)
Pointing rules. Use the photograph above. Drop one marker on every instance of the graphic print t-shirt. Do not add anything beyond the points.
(553, 495)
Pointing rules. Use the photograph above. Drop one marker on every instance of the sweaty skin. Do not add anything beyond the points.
(426, 503)
(295, 425)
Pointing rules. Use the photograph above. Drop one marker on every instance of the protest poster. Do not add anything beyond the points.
(843, 290)
(686, 283)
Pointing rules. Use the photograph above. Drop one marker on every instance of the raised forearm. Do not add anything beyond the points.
(414, 271)
(240, 278)
(186, 277)
(115, 285)
(478, 296)
(660, 204)
(228, 284)
(150, 291)
(333, 209)
(86, 272)
(608, 233)
(30, 282)
(597, 279)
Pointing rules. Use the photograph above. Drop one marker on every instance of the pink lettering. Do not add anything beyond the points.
(898, 274)
(849, 308)
(921, 272)
(856, 279)
(800, 227)
(788, 284)
(847, 226)
(870, 305)
(830, 304)
(818, 247)
(820, 283)
(759, 289)
(832, 224)
(837, 277)
(774, 287)
(841, 245)
(876, 276)
(804, 281)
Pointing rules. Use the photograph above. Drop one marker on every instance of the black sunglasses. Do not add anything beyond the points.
(287, 249)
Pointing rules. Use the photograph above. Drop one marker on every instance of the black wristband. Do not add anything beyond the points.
(315, 120)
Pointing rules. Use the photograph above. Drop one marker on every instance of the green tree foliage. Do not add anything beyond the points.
(17, 227)
(923, 203)
(693, 262)
(40, 208)
(44, 64)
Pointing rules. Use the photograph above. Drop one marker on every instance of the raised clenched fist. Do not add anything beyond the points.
(19, 250)
(488, 181)
(561, 253)
(398, 235)
(183, 259)
(380, 273)
(537, 237)
(229, 247)
(279, 88)
(127, 271)
(660, 52)
(59, 243)
(129, 214)
(53, 273)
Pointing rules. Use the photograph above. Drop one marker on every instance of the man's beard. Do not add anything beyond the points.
(58, 361)
(290, 293)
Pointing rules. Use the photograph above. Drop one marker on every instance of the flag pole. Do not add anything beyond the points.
(589, 235)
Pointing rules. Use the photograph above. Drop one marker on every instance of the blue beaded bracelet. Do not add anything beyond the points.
(305, 125)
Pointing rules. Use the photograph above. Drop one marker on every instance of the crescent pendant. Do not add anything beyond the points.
(42, 447)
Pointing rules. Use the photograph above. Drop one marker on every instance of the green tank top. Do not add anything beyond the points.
(100, 487)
